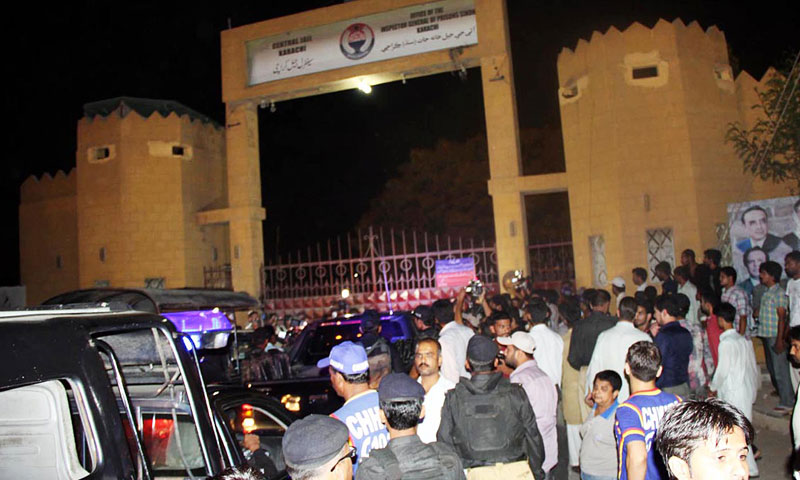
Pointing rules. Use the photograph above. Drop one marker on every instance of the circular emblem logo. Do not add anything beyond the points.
(357, 41)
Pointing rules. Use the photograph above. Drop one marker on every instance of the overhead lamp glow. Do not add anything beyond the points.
(364, 87)
(345, 293)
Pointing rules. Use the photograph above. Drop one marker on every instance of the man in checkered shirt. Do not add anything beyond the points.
(739, 299)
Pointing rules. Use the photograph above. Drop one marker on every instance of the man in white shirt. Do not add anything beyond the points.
(453, 339)
(737, 377)
(612, 347)
(428, 360)
(687, 288)
(792, 266)
(618, 289)
(549, 345)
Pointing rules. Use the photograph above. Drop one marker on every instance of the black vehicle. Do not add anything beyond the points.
(93, 393)
(309, 390)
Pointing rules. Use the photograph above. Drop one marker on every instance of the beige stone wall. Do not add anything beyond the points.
(48, 236)
(650, 153)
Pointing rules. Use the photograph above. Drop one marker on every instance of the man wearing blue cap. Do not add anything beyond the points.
(406, 456)
(349, 371)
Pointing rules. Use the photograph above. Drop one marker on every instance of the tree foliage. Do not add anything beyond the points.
(771, 148)
(443, 190)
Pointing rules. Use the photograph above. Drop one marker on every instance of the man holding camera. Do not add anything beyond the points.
(453, 338)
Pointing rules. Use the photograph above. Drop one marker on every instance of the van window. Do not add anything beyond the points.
(250, 419)
(41, 437)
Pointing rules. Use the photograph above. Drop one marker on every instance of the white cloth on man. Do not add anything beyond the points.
(454, 339)
(543, 398)
(690, 291)
(737, 377)
(610, 352)
(642, 287)
(549, 351)
(434, 400)
(793, 292)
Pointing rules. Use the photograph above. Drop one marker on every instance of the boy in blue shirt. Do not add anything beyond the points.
(637, 418)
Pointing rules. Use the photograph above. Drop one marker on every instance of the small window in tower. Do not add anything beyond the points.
(569, 92)
(177, 150)
(101, 153)
(645, 72)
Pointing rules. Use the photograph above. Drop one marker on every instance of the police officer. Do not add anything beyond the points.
(317, 448)
(490, 422)
(406, 456)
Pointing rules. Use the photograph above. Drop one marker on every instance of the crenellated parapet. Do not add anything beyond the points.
(642, 57)
(36, 189)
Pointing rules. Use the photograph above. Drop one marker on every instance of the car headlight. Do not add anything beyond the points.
(291, 402)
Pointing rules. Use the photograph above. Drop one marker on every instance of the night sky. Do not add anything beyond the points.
(325, 157)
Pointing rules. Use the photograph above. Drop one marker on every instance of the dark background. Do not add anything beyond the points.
(325, 157)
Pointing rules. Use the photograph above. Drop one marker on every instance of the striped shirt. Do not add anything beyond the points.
(773, 299)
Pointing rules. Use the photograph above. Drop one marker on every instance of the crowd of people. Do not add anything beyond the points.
(533, 383)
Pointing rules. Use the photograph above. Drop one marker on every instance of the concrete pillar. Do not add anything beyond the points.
(245, 213)
(502, 133)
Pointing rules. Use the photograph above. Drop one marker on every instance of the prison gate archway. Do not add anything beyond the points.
(248, 83)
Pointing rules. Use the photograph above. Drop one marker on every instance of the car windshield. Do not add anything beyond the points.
(333, 333)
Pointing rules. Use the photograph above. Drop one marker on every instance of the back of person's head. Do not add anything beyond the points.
(640, 272)
(588, 296)
(611, 377)
(627, 309)
(794, 256)
(726, 311)
(773, 269)
(682, 272)
(538, 310)
(708, 295)
(669, 303)
(729, 272)
(370, 321)
(601, 298)
(400, 397)
(687, 426)
(570, 312)
(443, 311)
(551, 296)
(481, 353)
(714, 255)
(651, 293)
(261, 336)
(425, 315)
(644, 359)
(664, 267)
(684, 304)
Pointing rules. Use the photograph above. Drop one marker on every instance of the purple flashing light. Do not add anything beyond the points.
(199, 321)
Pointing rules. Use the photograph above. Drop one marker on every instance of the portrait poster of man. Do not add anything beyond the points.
(760, 231)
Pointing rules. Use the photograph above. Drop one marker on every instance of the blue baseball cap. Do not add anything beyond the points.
(347, 357)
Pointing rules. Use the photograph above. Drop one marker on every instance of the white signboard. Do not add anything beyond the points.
(382, 36)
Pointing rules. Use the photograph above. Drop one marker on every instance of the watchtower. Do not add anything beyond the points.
(644, 114)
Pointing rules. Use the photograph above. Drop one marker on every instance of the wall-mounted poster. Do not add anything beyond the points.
(760, 231)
